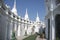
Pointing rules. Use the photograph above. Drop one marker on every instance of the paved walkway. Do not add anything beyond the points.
(21, 37)
(38, 38)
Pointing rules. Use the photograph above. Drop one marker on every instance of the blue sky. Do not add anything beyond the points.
(32, 6)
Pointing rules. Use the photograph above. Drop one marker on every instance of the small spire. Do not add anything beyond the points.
(26, 15)
(26, 11)
(15, 4)
(37, 14)
(14, 10)
(37, 18)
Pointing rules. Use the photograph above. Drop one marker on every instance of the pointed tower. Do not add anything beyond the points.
(37, 18)
(14, 10)
(26, 15)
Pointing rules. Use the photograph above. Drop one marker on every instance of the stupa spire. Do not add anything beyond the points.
(26, 15)
(14, 10)
(37, 18)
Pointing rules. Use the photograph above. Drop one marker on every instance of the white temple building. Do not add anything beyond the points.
(52, 19)
(10, 21)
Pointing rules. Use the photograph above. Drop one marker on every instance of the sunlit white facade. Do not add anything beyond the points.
(52, 19)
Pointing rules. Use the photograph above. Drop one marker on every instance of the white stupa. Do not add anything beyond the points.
(14, 10)
(37, 25)
(26, 15)
(37, 18)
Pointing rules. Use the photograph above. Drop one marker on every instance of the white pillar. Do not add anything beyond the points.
(18, 29)
(25, 29)
(21, 28)
(53, 33)
(15, 25)
(25, 26)
(52, 22)
(53, 28)
(11, 25)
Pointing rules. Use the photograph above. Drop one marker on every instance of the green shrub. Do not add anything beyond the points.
(13, 36)
(57, 38)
